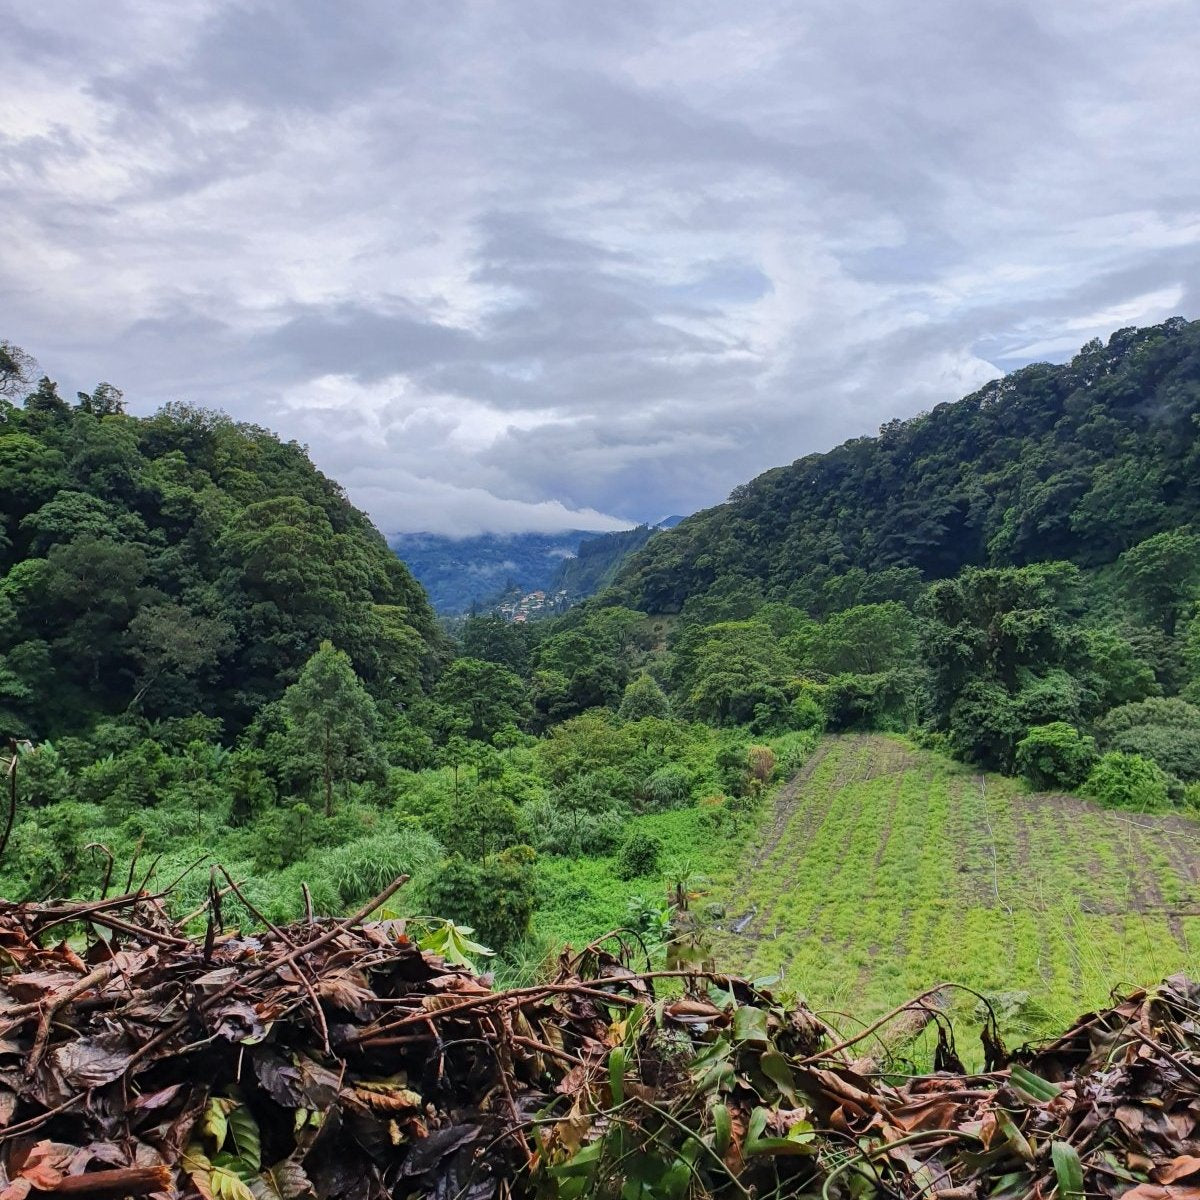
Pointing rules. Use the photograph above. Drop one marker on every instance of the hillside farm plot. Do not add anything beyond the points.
(883, 869)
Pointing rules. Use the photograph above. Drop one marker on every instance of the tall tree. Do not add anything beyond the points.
(331, 716)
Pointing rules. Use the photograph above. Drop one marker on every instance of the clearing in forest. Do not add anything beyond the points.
(883, 869)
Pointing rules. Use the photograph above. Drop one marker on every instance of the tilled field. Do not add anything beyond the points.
(882, 869)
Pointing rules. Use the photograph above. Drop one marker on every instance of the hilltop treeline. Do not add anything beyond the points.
(1076, 462)
(180, 563)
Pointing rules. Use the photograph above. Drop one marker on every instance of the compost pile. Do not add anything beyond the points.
(339, 1059)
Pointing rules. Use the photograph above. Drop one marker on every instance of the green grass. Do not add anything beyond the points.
(896, 869)
(888, 869)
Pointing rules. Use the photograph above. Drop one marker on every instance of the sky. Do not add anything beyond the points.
(519, 265)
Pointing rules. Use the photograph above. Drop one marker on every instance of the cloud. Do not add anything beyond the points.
(526, 266)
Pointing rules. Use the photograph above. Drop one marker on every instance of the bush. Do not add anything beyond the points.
(643, 698)
(1167, 731)
(639, 855)
(550, 830)
(669, 787)
(792, 751)
(1055, 756)
(1121, 780)
(760, 762)
(806, 713)
(361, 868)
(494, 897)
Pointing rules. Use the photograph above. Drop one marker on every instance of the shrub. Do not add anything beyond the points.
(1121, 780)
(806, 713)
(494, 897)
(1055, 755)
(1165, 730)
(550, 830)
(760, 763)
(639, 855)
(668, 787)
(643, 698)
(363, 867)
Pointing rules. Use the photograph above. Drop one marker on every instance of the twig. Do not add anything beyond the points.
(271, 968)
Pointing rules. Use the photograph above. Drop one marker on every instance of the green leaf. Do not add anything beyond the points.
(1068, 1170)
(214, 1124)
(1031, 1085)
(616, 1074)
(722, 1128)
(750, 1024)
(756, 1144)
(246, 1137)
(775, 1068)
(581, 1163)
(226, 1184)
(453, 943)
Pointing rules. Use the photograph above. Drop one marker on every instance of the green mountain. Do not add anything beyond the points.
(181, 563)
(598, 559)
(1078, 461)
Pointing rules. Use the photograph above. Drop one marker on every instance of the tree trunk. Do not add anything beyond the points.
(328, 772)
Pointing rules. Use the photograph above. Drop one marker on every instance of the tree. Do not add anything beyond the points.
(865, 640)
(1055, 755)
(1160, 576)
(493, 639)
(331, 715)
(172, 645)
(16, 368)
(483, 697)
(644, 698)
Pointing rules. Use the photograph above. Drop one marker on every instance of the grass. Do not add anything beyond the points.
(884, 869)
(893, 869)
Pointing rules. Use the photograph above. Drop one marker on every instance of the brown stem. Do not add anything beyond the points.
(121, 1181)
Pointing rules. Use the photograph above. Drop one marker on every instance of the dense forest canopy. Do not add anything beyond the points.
(1077, 462)
(180, 563)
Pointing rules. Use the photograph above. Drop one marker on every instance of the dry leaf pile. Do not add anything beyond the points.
(339, 1059)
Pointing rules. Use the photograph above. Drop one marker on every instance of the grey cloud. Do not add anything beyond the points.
(528, 265)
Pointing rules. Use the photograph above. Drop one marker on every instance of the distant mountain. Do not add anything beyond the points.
(595, 563)
(461, 572)
(481, 571)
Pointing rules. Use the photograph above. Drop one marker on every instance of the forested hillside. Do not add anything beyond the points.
(180, 564)
(1076, 462)
(597, 560)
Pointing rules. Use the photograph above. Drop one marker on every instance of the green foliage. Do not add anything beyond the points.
(495, 897)
(868, 639)
(1077, 461)
(639, 855)
(668, 787)
(482, 697)
(644, 698)
(1055, 756)
(1120, 780)
(182, 563)
(1166, 731)
(331, 722)
(1160, 576)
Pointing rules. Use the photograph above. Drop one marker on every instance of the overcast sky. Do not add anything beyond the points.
(525, 265)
